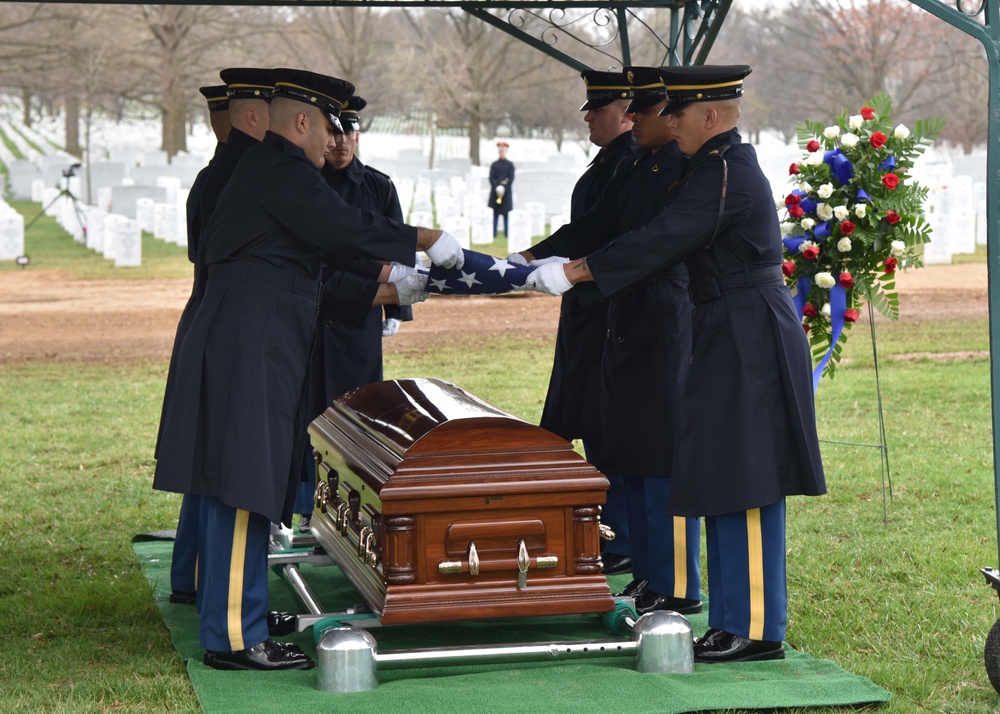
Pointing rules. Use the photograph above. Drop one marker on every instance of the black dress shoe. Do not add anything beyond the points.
(727, 647)
(266, 656)
(650, 600)
(179, 597)
(280, 623)
(710, 634)
(634, 588)
(615, 564)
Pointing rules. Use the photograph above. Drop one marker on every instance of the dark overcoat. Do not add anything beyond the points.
(748, 432)
(647, 341)
(235, 430)
(202, 197)
(572, 401)
(348, 350)
(501, 173)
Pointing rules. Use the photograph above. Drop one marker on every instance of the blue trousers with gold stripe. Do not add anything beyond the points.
(747, 590)
(184, 563)
(232, 593)
(664, 548)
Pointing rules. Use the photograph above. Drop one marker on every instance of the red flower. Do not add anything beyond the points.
(811, 253)
(890, 181)
(867, 113)
(892, 217)
(851, 315)
(796, 211)
(805, 327)
(847, 228)
(890, 265)
(788, 267)
(793, 170)
(812, 146)
(809, 310)
(878, 139)
(793, 199)
(846, 280)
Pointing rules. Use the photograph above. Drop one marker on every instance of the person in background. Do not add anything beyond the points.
(501, 184)
(748, 426)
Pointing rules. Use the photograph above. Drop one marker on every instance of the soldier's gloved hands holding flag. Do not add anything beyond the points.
(446, 251)
(411, 288)
(390, 325)
(539, 262)
(549, 277)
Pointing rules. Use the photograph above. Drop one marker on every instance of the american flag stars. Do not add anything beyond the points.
(481, 275)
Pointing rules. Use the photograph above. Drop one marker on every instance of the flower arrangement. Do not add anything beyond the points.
(852, 219)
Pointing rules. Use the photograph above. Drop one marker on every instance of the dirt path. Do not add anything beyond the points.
(52, 316)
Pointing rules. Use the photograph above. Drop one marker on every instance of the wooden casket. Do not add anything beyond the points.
(439, 507)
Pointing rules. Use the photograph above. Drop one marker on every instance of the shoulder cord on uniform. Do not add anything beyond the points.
(722, 194)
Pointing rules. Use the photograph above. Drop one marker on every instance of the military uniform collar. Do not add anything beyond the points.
(731, 137)
(286, 147)
(621, 141)
(354, 171)
(239, 140)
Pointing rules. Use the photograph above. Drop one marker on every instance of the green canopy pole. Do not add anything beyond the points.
(987, 32)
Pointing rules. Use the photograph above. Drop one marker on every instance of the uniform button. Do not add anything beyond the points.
(609, 334)
(621, 338)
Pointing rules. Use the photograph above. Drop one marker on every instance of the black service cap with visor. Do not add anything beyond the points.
(604, 88)
(647, 88)
(328, 94)
(248, 83)
(216, 97)
(702, 83)
(349, 113)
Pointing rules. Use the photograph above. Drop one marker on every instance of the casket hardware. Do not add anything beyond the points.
(473, 559)
(606, 532)
(523, 561)
(474, 565)
(364, 547)
(322, 496)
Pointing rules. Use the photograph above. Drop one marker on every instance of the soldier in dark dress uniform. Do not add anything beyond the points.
(501, 184)
(348, 349)
(570, 404)
(644, 358)
(242, 101)
(748, 433)
(234, 431)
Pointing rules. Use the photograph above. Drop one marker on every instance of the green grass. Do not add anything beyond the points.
(20, 132)
(9, 143)
(898, 601)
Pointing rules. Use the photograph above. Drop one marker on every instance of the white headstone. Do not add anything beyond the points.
(481, 226)
(470, 202)
(144, 213)
(181, 236)
(458, 226)
(519, 231)
(556, 222)
(11, 234)
(165, 222)
(95, 228)
(536, 211)
(937, 252)
(421, 218)
(128, 244)
(111, 223)
(979, 189)
(962, 230)
(104, 195)
(37, 190)
(172, 184)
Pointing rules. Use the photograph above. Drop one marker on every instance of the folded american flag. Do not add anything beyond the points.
(481, 275)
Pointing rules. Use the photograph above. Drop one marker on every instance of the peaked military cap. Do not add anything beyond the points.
(604, 88)
(216, 97)
(647, 88)
(328, 94)
(702, 83)
(248, 83)
(349, 113)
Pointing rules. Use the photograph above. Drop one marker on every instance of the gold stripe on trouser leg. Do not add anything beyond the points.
(680, 557)
(755, 552)
(236, 565)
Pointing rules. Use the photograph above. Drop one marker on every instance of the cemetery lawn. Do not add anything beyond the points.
(899, 601)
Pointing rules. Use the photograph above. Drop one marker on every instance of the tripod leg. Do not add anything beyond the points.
(46, 207)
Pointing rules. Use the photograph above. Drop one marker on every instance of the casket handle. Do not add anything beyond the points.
(473, 559)
(606, 532)
(474, 565)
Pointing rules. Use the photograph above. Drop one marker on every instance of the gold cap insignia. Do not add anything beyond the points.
(631, 77)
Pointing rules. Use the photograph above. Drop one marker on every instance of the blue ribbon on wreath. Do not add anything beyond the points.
(822, 231)
(888, 164)
(840, 166)
(838, 306)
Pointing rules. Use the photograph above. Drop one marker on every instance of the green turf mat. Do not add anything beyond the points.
(605, 685)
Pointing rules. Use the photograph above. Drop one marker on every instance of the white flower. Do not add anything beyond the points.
(825, 191)
(806, 186)
(861, 210)
(806, 244)
(901, 132)
(844, 245)
(825, 280)
(824, 211)
(807, 224)
(855, 121)
(897, 248)
(840, 212)
(786, 228)
(813, 159)
(849, 140)
(832, 132)
(825, 310)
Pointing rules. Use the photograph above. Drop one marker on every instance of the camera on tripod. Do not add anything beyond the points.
(71, 171)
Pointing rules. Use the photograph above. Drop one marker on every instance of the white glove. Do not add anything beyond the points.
(411, 288)
(549, 278)
(501, 190)
(398, 271)
(516, 259)
(446, 252)
(390, 325)
(545, 261)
